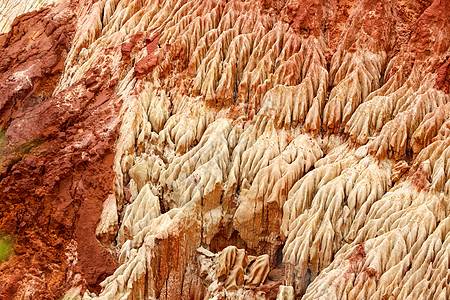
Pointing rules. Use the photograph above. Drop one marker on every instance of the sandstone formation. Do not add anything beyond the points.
(192, 149)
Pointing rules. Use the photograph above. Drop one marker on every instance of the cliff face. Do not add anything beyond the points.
(225, 149)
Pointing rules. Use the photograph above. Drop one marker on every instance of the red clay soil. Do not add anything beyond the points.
(147, 63)
(31, 60)
(443, 77)
(55, 162)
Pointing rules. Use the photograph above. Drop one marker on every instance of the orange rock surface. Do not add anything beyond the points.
(219, 149)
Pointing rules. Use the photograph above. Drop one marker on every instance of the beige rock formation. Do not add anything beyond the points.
(242, 141)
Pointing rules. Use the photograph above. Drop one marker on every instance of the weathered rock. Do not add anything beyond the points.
(238, 150)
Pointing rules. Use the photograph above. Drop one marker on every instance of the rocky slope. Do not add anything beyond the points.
(218, 149)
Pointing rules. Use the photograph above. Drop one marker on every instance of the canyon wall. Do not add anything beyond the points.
(192, 149)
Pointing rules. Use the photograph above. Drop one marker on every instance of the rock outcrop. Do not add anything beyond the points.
(221, 149)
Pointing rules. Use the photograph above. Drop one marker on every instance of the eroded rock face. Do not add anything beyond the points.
(226, 150)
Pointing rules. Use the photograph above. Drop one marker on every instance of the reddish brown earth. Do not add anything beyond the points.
(31, 60)
(56, 163)
(443, 79)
